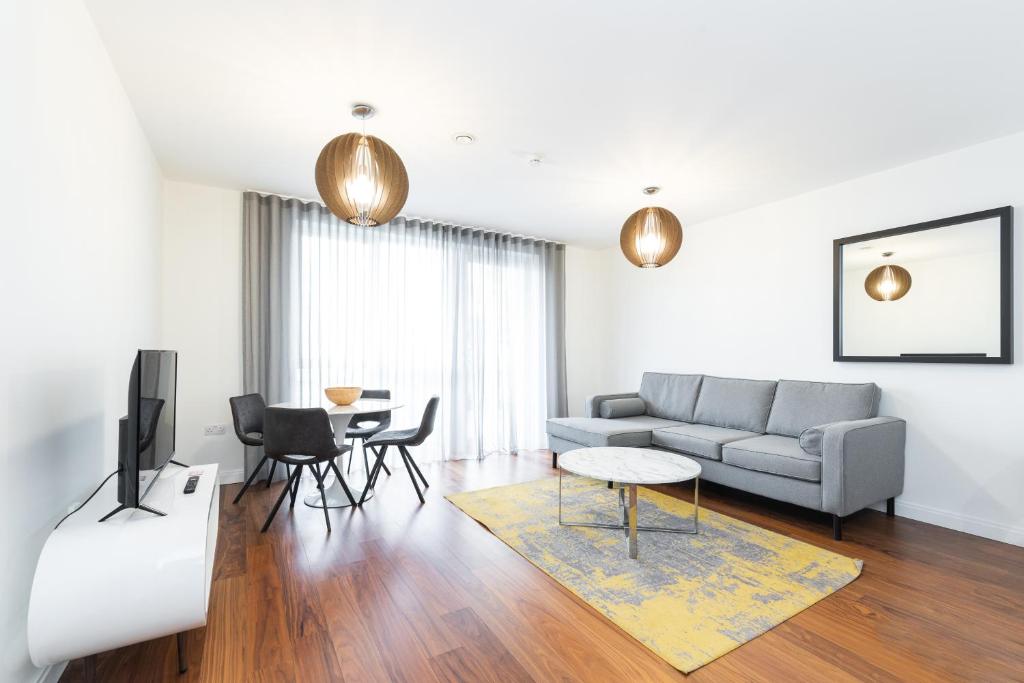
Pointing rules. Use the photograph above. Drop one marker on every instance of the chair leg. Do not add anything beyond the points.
(412, 477)
(280, 499)
(366, 458)
(890, 507)
(371, 479)
(382, 464)
(323, 493)
(295, 488)
(341, 480)
(415, 466)
(837, 527)
(348, 470)
(270, 477)
(248, 482)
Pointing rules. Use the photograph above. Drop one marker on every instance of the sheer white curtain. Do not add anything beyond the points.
(417, 307)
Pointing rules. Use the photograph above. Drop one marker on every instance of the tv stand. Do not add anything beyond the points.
(144, 508)
(133, 578)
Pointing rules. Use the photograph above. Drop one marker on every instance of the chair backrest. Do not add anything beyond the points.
(383, 418)
(427, 423)
(247, 414)
(298, 431)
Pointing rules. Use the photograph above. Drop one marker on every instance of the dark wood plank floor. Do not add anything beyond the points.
(403, 592)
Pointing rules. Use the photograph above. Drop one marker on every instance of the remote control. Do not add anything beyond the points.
(190, 485)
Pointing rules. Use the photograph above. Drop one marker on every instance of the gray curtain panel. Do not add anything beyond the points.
(418, 307)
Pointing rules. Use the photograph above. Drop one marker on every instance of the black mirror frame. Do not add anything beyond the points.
(1005, 357)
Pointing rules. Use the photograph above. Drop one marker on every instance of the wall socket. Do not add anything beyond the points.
(215, 430)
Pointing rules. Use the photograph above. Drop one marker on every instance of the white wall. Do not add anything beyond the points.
(750, 295)
(202, 317)
(586, 325)
(80, 273)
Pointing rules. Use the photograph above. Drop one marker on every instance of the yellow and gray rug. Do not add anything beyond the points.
(690, 599)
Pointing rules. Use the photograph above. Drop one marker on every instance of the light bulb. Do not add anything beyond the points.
(649, 241)
(362, 188)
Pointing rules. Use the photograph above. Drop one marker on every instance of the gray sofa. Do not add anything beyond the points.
(820, 445)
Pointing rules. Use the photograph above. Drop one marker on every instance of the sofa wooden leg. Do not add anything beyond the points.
(554, 460)
(890, 507)
(837, 527)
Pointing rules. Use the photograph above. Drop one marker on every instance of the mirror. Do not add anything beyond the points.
(935, 292)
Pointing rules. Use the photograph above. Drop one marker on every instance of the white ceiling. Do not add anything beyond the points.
(725, 103)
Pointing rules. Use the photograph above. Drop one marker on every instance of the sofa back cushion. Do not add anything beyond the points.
(669, 396)
(799, 405)
(734, 403)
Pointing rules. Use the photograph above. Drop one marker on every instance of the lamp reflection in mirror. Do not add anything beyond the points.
(651, 237)
(888, 282)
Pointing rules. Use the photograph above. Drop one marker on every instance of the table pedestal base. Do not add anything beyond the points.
(629, 525)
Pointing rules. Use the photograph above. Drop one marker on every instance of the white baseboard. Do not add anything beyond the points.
(230, 477)
(52, 673)
(960, 522)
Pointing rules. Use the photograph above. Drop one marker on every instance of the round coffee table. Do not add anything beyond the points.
(627, 468)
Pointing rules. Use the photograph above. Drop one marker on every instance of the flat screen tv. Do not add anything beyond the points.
(146, 433)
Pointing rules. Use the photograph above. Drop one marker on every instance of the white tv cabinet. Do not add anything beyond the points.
(135, 577)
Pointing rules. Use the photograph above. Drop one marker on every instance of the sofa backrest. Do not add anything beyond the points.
(670, 396)
(799, 405)
(735, 403)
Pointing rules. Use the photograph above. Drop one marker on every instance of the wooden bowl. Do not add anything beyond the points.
(343, 396)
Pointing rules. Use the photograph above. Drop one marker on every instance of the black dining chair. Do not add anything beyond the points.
(247, 415)
(402, 439)
(366, 425)
(302, 437)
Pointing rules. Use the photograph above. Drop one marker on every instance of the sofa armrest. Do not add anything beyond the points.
(862, 463)
(593, 404)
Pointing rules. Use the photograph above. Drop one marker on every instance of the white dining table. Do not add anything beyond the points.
(341, 417)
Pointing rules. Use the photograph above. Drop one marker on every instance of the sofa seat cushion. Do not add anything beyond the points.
(704, 441)
(598, 431)
(773, 454)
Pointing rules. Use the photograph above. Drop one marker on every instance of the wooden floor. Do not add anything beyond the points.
(403, 592)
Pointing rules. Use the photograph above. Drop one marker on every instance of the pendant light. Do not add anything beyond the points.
(651, 237)
(887, 282)
(360, 178)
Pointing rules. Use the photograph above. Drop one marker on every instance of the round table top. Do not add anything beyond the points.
(360, 407)
(629, 465)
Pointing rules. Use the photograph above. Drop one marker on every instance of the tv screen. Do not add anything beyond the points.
(147, 432)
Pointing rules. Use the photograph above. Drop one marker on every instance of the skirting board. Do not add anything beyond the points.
(230, 477)
(958, 522)
(52, 673)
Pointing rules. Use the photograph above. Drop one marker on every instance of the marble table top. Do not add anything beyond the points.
(629, 465)
(360, 407)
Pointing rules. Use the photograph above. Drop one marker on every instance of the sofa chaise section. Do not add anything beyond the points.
(815, 444)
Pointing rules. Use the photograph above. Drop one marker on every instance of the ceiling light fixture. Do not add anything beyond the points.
(651, 237)
(464, 139)
(360, 178)
(887, 282)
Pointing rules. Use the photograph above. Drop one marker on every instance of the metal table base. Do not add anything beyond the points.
(629, 525)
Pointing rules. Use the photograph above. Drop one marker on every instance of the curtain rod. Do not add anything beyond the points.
(501, 233)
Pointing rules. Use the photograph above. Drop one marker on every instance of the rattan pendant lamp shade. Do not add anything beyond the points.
(361, 179)
(651, 237)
